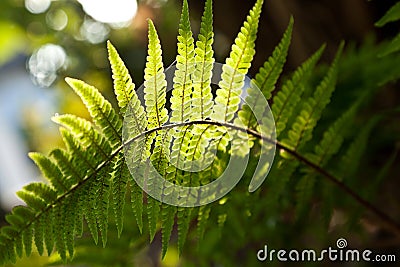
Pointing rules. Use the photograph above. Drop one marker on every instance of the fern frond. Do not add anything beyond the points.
(256, 106)
(391, 15)
(283, 107)
(88, 197)
(51, 171)
(34, 190)
(103, 180)
(269, 73)
(346, 166)
(181, 94)
(119, 180)
(202, 99)
(185, 60)
(39, 235)
(59, 231)
(192, 146)
(265, 80)
(84, 162)
(85, 133)
(49, 224)
(27, 236)
(123, 85)
(14, 220)
(393, 47)
(155, 83)
(64, 161)
(73, 222)
(155, 99)
(329, 145)
(183, 221)
(236, 67)
(301, 131)
(333, 137)
(168, 219)
(33, 201)
(311, 110)
(100, 110)
(202, 219)
(153, 212)
(91, 175)
(137, 203)
(285, 101)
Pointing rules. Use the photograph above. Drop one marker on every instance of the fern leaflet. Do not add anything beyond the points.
(236, 67)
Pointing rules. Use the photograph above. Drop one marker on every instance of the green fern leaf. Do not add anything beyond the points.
(285, 101)
(7, 253)
(311, 110)
(73, 215)
(15, 221)
(40, 190)
(284, 104)
(123, 85)
(80, 208)
(85, 133)
(51, 171)
(49, 225)
(19, 246)
(137, 203)
(333, 137)
(88, 196)
(20, 233)
(182, 92)
(119, 180)
(59, 232)
(392, 14)
(102, 197)
(393, 47)
(279, 178)
(9, 231)
(269, 74)
(346, 166)
(329, 145)
(155, 83)
(202, 99)
(84, 162)
(202, 220)
(236, 67)
(39, 235)
(168, 220)
(34, 202)
(100, 109)
(265, 80)
(12, 233)
(153, 211)
(65, 162)
(184, 216)
(155, 99)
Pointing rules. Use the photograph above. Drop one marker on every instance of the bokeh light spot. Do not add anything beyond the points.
(57, 19)
(37, 6)
(45, 62)
(93, 31)
(116, 11)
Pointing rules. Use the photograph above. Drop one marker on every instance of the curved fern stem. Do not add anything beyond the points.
(387, 220)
